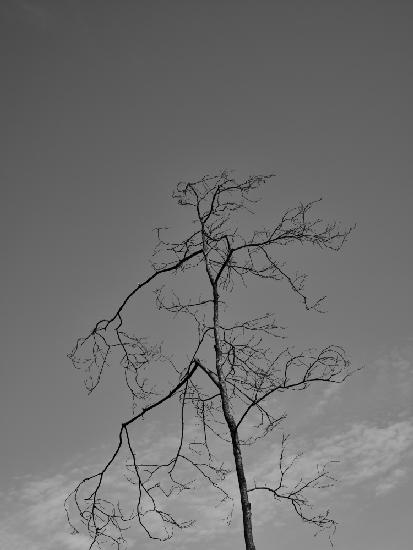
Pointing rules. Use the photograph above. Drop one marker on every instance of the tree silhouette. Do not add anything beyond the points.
(232, 371)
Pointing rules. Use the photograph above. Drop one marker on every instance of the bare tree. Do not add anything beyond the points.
(233, 369)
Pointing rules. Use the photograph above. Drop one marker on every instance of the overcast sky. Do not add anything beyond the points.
(105, 106)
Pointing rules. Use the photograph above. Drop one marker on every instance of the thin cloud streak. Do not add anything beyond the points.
(364, 452)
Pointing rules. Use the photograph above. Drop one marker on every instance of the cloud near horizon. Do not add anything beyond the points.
(374, 456)
(371, 456)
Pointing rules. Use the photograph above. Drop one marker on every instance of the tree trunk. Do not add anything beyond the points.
(242, 484)
(236, 447)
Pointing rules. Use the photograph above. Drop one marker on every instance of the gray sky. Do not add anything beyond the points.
(105, 106)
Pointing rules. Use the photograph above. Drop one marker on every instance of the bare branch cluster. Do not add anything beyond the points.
(251, 362)
(296, 492)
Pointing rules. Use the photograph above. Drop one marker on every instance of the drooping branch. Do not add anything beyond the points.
(104, 519)
(295, 491)
(96, 357)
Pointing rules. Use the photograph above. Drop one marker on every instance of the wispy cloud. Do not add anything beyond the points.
(372, 457)
(330, 393)
(395, 370)
(365, 452)
(35, 516)
(391, 481)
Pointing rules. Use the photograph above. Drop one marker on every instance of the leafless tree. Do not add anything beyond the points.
(233, 369)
